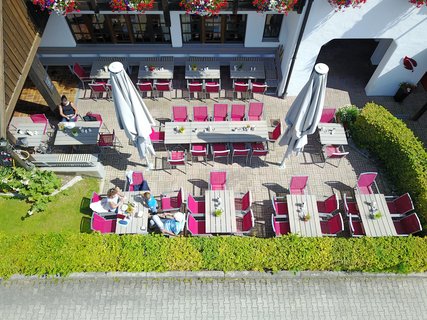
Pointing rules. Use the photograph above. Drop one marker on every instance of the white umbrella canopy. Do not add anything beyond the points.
(305, 113)
(131, 111)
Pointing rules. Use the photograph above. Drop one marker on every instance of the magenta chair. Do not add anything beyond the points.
(195, 227)
(196, 207)
(145, 87)
(212, 87)
(329, 205)
(220, 112)
(255, 111)
(334, 152)
(172, 203)
(274, 135)
(356, 226)
(258, 87)
(258, 150)
(177, 158)
(241, 87)
(298, 185)
(195, 88)
(246, 223)
(408, 225)
(365, 182)
(137, 179)
(40, 118)
(199, 150)
(157, 136)
(97, 116)
(328, 116)
(280, 206)
(240, 150)
(350, 208)
(237, 112)
(401, 205)
(220, 150)
(95, 197)
(200, 113)
(98, 89)
(244, 203)
(83, 76)
(162, 87)
(333, 226)
(179, 114)
(217, 180)
(280, 227)
(102, 225)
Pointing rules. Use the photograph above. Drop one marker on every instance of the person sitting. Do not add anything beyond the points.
(114, 200)
(150, 202)
(67, 110)
(170, 227)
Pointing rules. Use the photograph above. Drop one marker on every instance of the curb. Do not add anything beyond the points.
(242, 275)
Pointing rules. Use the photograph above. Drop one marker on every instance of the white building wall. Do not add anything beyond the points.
(255, 29)
(57, 33)
(394, 19)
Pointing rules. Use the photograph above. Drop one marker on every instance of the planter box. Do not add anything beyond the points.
(400, 95)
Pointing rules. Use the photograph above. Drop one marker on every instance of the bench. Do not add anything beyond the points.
(62, 162)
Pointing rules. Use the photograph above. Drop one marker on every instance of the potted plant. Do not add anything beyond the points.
(57, 6)
(181, 130)
(377, 215)
(405, 89)
(306, 217)
(203, 7)
(75, 132)
(217, 212)
(131, 5)
(280, 6)
(343, 4)
(347, 115)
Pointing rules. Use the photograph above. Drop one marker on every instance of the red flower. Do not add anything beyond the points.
(280, 6)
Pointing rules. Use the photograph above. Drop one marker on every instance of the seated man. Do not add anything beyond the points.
(171, 227)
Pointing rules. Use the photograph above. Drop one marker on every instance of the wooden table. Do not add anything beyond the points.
(332, 134)
(375, 227)
(310, 228)
(216, 131)
(135, 225)
(242, 70)
(212, 71)
(226, 222)
(99, 68)
(24, 125)
(163, 69)
(87, 134)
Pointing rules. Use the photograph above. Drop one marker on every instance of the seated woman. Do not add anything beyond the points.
(67, 110)
(114, 200)
(171, 227)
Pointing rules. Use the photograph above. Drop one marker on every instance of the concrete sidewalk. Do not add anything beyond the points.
(303, 296)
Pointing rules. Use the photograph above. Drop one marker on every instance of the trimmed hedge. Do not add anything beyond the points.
(403, 155)
(61, 254)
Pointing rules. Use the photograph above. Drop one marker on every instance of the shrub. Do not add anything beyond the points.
(347, 115)
(35, 185)
(61, 254)
(403, 155)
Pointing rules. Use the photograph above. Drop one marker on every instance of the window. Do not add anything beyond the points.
(215, 29)
(273, 24)
(118, 28)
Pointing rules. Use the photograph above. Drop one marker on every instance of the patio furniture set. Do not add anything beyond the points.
(155, 77)
(372, 214)
(239, 133)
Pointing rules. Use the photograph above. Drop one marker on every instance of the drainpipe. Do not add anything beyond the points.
(301, 33)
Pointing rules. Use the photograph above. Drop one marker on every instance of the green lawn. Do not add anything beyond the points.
(68, 211)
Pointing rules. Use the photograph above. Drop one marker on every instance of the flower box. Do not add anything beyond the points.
(405, 89)
(57, 6)
(203, 7)
(131, 5)
(343, 4)
(280, 6)
(418, 3)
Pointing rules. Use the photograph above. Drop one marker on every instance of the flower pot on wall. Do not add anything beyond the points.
(400, 95)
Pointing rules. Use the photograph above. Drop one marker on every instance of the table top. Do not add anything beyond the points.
(242, 70)
(332, 133)
(99, 68)
(33, 132)
(135, 224)
(163, 69)
(226, 222)
(220, 131)
(310, 228)
(375, 227)
(212, 71)
(87, 133)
